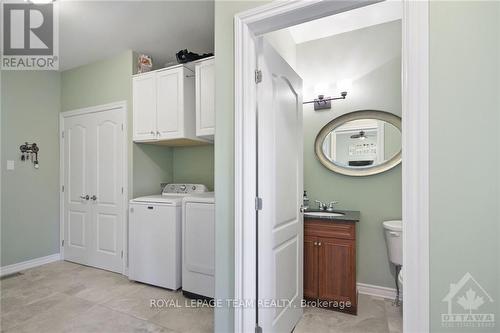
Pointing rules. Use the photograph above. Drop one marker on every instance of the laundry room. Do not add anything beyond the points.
(120, 140)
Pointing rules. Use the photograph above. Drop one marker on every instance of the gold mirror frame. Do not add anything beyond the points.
(357, 115)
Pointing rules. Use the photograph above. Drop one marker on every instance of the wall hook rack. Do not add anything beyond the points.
(29, 151)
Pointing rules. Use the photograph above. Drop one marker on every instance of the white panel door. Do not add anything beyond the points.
(205, 98)
(107, 183)
(77, 208)
(280, 185)
(94, 220)
(144, 111)
(169, 92)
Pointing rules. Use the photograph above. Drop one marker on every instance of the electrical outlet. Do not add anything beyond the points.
(10, 165)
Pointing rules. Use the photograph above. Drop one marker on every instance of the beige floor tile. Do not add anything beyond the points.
(184, 319)
(138, 303)
(101, 319)
(54, 318)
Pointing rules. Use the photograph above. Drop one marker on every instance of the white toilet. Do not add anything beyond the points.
(394, 239)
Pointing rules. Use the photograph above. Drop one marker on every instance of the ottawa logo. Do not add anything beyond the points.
(467, 300)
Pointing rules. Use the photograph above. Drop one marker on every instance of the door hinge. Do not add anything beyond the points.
(258, 203)
(258, 329)
(62, 243)
(62, 134)
(122, 253)
(258, 76)
(62, 188)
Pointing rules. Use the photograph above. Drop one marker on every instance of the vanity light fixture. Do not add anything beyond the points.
(322, 103)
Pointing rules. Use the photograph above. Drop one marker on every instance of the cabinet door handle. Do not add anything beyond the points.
(315, 243)
(158, 133)
(319, 244)
(152, 132)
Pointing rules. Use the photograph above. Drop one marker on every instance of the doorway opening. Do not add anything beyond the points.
(261, 140)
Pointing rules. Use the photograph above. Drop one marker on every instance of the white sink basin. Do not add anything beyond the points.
(323, 214)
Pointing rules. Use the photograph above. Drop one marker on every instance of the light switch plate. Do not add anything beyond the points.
(10, 165)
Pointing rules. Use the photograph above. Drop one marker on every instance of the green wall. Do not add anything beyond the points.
(371, 58)
(30, 197)
(465, 151)
(194, 165)
(107, 81)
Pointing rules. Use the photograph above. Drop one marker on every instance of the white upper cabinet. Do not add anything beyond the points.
(144, 95)
(164, 107)
(205, 98)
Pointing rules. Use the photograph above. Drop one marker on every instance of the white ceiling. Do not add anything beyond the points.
(359, 18)
(95, 30)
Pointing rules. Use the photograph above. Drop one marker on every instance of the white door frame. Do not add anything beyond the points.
(122, 106)
(415, 145)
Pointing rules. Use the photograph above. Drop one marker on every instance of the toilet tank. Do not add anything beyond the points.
(394, 239)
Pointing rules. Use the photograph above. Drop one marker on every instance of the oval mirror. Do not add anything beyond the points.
(360, 143)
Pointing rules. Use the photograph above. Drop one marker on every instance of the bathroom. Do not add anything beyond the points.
(362, 59)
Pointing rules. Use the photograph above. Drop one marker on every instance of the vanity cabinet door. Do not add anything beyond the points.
(337, 270)
(310, 267)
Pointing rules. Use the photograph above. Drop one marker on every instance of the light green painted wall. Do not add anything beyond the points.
(194, 165)
(107, 81)
(465, 151)
(224, 156)
(371, 58)
(30, 197)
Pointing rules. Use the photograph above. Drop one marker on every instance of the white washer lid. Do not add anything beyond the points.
(393, 225)
(207, 197)
(175, 200)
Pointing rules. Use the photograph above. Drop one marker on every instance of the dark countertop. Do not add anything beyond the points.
(349, 215)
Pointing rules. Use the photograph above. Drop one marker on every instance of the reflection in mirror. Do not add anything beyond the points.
(362, 143)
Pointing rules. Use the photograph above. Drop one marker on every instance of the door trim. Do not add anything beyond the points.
(122, 105)
(415, 143)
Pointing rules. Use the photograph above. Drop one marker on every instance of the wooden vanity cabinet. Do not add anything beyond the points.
(330, 262)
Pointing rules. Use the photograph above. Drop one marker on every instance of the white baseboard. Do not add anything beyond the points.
(20, 266)
(378, 291)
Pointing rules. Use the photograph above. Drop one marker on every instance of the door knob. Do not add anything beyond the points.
(315, 243)
(93, 197)
(84, 197)
(319, 244)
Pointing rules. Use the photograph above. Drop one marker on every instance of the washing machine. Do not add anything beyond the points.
(198, 245)
(155, 236)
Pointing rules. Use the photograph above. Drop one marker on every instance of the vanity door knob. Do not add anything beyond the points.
(315, 243)
(319, 244)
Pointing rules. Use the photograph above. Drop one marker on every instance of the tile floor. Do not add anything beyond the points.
(66, 297)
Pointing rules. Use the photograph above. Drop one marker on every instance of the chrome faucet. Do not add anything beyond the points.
(330, 206)
(321, 205)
